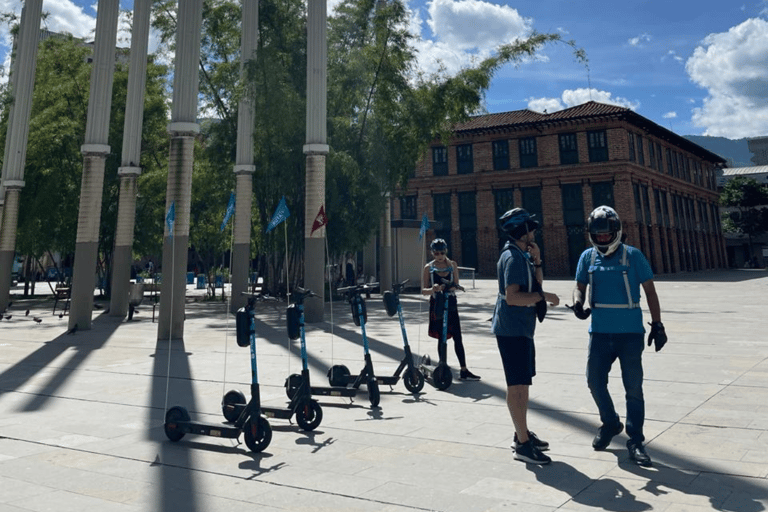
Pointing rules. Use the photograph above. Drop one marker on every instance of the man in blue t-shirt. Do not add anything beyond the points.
(519, 300)
(614, 272)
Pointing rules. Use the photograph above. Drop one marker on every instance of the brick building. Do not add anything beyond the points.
(559, 167)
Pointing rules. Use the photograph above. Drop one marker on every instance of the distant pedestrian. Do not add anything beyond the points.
(614, 273)
(520, 294)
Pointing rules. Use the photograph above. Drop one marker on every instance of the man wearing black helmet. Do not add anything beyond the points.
(520, 278)
(614, 272)
(436, 273)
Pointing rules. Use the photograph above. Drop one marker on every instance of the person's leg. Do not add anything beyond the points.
(600, 358)
(630, 351)
(517, 403)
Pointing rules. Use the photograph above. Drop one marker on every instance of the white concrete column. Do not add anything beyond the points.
(316, 150)
(129, 170)
(183, 129)
(244, 168)
(95, 151)
(12, 177)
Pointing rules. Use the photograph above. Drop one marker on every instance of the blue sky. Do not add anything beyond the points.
(696, 67)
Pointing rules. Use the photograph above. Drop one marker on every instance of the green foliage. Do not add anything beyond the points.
(748, 204)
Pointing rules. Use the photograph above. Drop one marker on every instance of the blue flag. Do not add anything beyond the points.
(230, 211)
(170, 218)
(281, 213)
(424, 226)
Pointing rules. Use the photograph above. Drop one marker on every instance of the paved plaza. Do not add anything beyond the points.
(81, 415)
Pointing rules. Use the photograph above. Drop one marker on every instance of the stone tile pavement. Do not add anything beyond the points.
(81, 414)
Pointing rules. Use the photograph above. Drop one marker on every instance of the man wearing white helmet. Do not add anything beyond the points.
(614, 272)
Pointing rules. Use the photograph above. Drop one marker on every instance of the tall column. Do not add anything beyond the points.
(183, 129)
(95, 151)
(385, 251)
(129, 170)
(316, 149)
(16, 145)
(244, 168)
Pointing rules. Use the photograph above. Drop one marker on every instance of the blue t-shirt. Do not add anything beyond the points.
(513, 268)
(609, 288)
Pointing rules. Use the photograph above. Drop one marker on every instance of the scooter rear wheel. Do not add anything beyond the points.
(309, 414)
(338, 375)
(413, 380)
(374, 395)
(257, 433)
(442, 377)
(292, 384)
(174, 415)
(232, 405)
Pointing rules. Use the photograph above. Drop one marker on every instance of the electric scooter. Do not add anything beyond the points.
(339, 375)
(308, 412)
(255, 427)
(440, 376)
(296, 330)
(412, 378)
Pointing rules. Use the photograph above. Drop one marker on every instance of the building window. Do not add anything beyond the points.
(602, 194)
(640, 152)
(569, 152)
(598, 146)
(442, 212)
(631, 143)
(464, 159)
(408, 207)
(669, 161)
(528, 154)
(651, 155)
(659, 159)
(440, 161)
(503, 201)
(500, 155)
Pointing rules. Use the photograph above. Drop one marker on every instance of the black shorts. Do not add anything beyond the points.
(518, 356)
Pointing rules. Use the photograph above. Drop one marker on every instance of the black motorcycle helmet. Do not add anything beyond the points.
(517, 222)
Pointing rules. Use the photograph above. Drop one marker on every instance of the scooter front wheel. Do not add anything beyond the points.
(413, 380)
(172, 417)
(292, 384)
(257, 433)
(442, 377)
(309, 414)
(232, 405)
(338, 375)
(374, 395)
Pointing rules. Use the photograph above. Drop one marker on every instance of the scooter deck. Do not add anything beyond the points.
(335, 391)
(207, 429)
(277, 412)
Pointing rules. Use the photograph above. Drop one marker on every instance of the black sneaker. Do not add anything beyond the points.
(468, 375)
(638, 455)
(526, 452)
(604, 435)
(534, 439)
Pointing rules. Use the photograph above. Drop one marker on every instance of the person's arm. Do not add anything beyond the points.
(653, 300)
(426, 288)
(578, 293)
(514, 296)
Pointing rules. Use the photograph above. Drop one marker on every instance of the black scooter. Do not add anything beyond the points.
(255, 428)
(296, 330)
(412, 378)
(339, 375)
(308, 412)
(440, 376)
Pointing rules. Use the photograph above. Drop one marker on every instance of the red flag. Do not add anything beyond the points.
(320, 221)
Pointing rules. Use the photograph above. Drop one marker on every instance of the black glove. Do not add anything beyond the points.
(657, 335)
(579, 311)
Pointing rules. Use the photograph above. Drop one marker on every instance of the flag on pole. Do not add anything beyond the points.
(170, 218)
(320, 221)
(229, 212)
(424, 226)
(281, 213)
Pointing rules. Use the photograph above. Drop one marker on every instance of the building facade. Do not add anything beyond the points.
(559, 167)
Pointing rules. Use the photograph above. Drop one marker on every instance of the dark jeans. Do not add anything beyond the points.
(604, 349)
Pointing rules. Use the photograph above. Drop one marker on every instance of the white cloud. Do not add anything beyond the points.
(670, 115)
(733, 67)
(672, 54)
(66, 17)
(573, 97)
(639, 40)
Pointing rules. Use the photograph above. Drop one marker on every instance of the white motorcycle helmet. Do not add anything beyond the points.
(602, 220)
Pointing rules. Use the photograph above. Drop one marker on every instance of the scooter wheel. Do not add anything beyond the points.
(413, 380)
(172, 417)
(292, 385)
(442, 377)
(374, 395)
(232, 405)
(309, 414)
(257, 433)
(338, 375)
